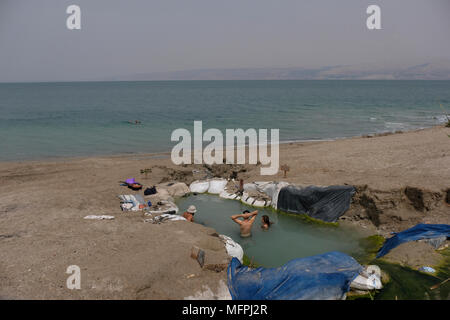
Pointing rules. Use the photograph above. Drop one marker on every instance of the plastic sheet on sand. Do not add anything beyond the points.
(418, 232)
(321, 277)
(324, 203)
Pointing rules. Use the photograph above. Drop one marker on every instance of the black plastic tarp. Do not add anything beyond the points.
(324, 203)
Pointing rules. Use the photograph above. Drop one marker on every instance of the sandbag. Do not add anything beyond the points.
(269, 188)
(216, 186)
(368, 279)
(436, 243)
(323, 203)
(232, 196)
(233, 248)
(247, 199)
(273, 190)
(258, 186)
(321, 277)
(178, 189)
(250, 187)
(199, 186)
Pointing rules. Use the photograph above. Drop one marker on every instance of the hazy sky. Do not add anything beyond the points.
(123, 37)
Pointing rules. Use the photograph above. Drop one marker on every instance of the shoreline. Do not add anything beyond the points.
(222, 80)
(167, 153)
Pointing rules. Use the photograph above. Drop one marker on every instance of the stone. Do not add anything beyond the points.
(199, 255)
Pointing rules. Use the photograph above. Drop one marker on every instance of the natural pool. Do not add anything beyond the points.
(288, 238)
(294, 236)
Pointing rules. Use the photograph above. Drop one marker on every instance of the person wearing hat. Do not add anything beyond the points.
(189, 213)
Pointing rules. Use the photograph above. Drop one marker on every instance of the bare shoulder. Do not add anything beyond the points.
(235, 219)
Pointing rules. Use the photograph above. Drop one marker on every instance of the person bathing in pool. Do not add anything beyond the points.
(246, 223)
(265, 222)
(189, 213)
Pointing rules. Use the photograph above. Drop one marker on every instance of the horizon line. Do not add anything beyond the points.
(215, 80)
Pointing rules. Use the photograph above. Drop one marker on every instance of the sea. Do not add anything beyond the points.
(78, 119)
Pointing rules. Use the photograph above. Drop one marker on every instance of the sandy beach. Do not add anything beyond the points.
(401, 179)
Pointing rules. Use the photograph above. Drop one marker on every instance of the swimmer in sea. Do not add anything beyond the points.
(246, 223)
(134, 122)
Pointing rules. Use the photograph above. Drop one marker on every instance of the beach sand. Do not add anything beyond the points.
(401, 179)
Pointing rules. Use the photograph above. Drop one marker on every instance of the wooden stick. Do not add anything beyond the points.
(439, 284)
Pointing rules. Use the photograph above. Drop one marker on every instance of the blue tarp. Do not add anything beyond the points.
(420, 231)
(321, 277)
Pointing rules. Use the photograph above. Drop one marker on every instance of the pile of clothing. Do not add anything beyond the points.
(130, 202)
(132, 184)
(164, 217)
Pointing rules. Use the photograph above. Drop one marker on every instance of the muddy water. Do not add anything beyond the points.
(288, 238)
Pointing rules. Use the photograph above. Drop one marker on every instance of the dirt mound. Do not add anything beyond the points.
(399, 208)
(414, 254)
(190, 173)
(180, 175)
(229, 171)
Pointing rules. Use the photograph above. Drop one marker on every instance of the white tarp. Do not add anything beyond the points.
(233, 248)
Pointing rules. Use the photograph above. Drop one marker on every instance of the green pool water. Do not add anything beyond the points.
(288, 238)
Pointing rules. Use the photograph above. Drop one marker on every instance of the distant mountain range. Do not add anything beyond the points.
(426, 71)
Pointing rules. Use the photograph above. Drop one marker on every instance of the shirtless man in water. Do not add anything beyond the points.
(246, 224)
(189, 213)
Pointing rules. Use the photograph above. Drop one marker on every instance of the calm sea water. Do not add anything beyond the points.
(46, 120)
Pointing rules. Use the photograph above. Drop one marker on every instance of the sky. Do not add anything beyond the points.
(123, 37)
